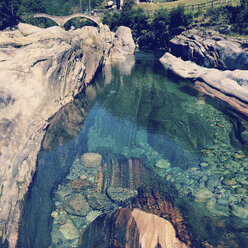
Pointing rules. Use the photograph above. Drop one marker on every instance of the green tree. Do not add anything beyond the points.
(242, 18)
(160, 27)
(179, 20)
(8, 15)
(112, 20)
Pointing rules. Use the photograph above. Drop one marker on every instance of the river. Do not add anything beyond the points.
(188, 146)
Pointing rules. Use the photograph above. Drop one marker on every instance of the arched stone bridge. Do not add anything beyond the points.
(61, 20)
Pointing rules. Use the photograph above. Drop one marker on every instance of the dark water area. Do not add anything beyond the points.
(137, 115)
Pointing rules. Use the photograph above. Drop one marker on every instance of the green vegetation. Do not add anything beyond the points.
(172, 4)
(14, 11)
(148, 31)
(153, 29)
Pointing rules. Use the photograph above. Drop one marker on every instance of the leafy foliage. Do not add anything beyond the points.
(149, 32)
(160, 27)
(14, 11)
(220, 15)
(8, 10)
(242, 18)
(134, 18)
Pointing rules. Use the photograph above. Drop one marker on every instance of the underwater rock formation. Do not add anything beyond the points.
(130, 228)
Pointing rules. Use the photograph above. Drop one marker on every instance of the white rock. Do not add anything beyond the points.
(39, 73)
(28, 29)
(225, 81)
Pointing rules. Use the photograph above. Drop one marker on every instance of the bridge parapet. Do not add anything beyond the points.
(62, 20)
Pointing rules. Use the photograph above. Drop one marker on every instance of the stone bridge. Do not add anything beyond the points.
(61, 20)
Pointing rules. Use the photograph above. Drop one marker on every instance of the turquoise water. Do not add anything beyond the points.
(138, 110)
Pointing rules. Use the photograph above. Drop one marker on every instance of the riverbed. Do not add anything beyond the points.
(187, 146)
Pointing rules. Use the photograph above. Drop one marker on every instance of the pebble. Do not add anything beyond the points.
(55, 214)
(236, 155)
(83, 177)
(203, 165)
(202, 195)
(229, 182)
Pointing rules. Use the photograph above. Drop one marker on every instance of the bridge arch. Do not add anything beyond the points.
(62, 20)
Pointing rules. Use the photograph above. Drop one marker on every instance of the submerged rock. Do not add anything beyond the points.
(91, 159)
(76, 205)
(120, 194)
(69, 230)
(229, 181)
(98, 201)
(202, 195)
(163, 164)
(130, 228)
(239, 211)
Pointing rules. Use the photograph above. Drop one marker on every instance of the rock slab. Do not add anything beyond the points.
(210, 49)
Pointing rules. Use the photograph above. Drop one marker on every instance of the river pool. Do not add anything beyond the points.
(194, 147)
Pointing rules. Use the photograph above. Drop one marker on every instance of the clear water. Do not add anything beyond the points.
(137, 109)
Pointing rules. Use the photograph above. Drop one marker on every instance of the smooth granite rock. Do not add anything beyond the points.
(40, 71)
(228, 86)
(210, 49)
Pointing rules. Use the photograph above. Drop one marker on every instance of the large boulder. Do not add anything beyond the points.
(210, 49)
(123, 43)
(40, 71)
(27, 29)
(130, 228)
(228, 86)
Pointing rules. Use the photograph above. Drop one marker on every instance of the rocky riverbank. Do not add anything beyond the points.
(210, 49)
(42, 70)
(216, 64)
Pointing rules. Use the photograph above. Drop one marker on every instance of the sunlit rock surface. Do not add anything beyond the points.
(41, 70)
(130, 228)
(123, 44)
(211, 49)
(229, 86)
